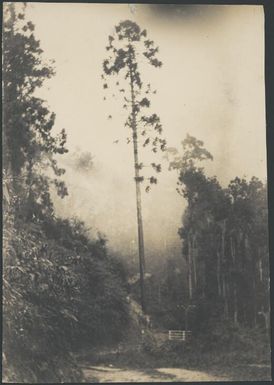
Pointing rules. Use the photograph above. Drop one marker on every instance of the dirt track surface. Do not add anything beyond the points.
(114, 374)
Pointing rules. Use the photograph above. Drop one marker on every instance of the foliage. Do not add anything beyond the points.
(127, 46)
(61, 290)
(28, 142)
(225, 240)
(57, 299)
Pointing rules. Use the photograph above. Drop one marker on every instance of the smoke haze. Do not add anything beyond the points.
(211, 86)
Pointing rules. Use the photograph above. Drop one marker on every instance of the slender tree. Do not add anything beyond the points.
(127, 47)
(190, 186)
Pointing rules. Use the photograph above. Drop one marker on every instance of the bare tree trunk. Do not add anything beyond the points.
(225, 295)
(266, 315)
(232, 251)
(235, 307)
(159, 294)
(255, 310)
(189, 266)
(223, 287)
(195, 270)
(222, 276)
(261, 269)
(223, 245)
(194, 255)
(138, 196)
(140, 236)
(219, 273)
(255, 307)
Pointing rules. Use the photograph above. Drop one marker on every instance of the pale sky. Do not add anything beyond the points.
(211, 85)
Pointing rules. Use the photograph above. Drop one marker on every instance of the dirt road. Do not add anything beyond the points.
(115, 374)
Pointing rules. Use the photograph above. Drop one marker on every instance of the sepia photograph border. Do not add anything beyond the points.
(269, 96)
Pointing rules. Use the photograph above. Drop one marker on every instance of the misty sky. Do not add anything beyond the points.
(211, 86)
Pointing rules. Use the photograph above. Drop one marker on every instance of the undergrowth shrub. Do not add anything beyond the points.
(56, 299)
(224, 344)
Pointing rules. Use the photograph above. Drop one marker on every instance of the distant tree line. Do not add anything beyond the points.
(225, 272)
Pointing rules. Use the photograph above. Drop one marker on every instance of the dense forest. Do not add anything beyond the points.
(60, 287)
(64, 290)
(225, 245)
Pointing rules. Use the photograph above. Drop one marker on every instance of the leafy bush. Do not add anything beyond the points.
(225, 344)
(56, 299)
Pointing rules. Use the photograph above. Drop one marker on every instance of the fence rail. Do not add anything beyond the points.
(179, 335)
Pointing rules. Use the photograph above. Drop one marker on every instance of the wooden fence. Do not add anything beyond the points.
(179, 335)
